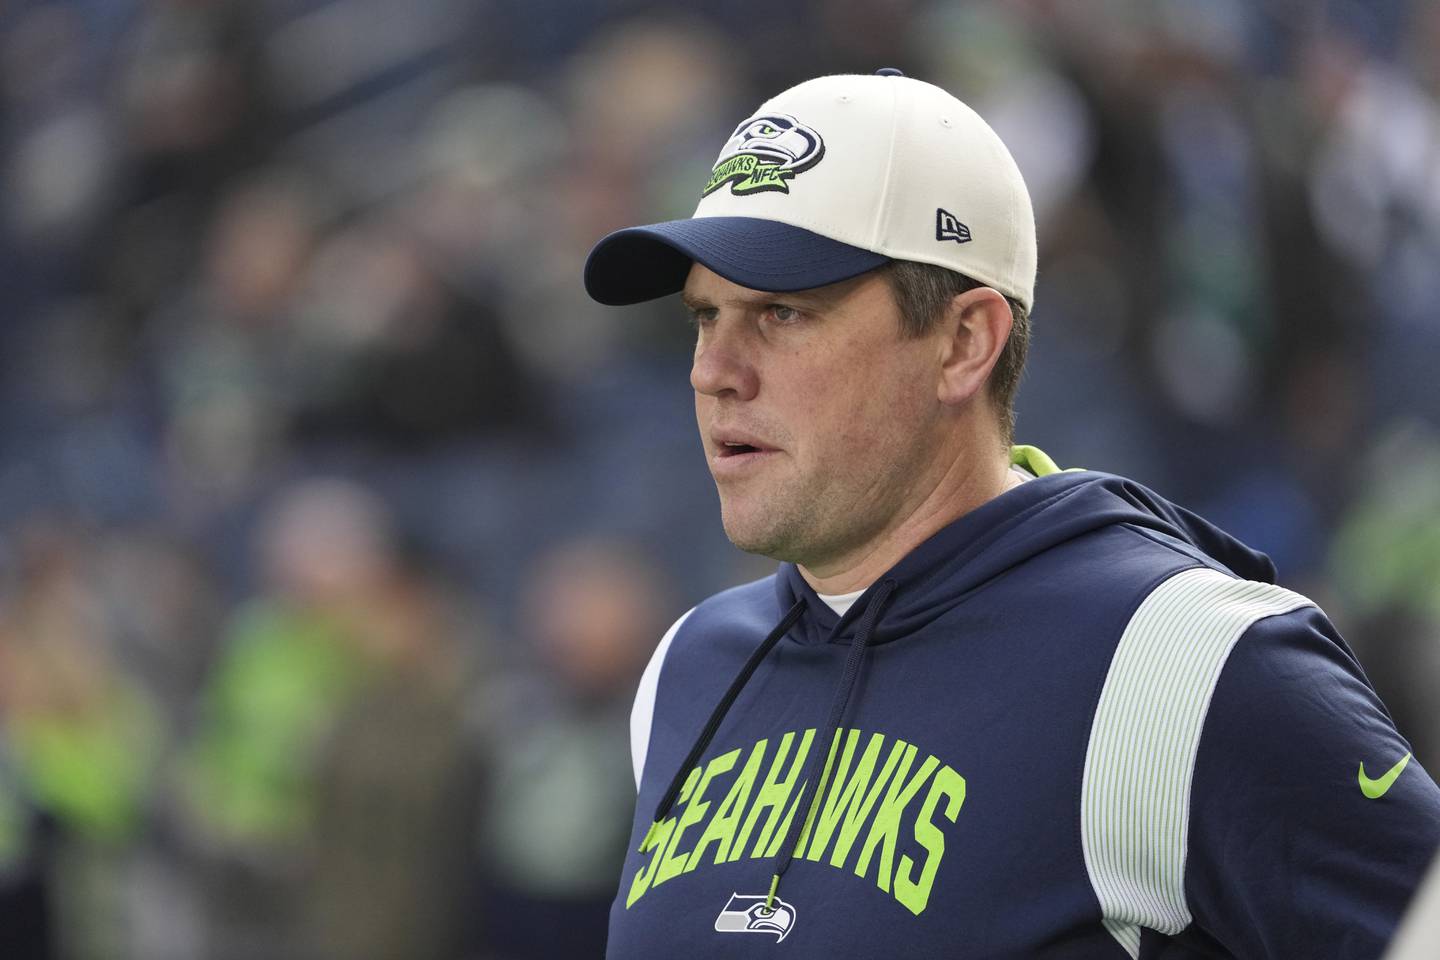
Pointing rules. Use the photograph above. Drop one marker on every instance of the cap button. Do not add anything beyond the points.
(888, 72)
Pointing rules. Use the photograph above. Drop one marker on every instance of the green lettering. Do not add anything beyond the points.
(721, 828)
(784, 830)
(671, 863)
(768, 173)
(813, 808)
(915, 894)
(656, 839)
(736, 168)
(766, 176)
(885, 828)
(846, 805)
(826, 814)
(773, 794)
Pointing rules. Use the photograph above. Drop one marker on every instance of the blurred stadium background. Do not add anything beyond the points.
(336, 523)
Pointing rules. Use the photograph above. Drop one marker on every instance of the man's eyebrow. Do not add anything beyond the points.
(812, 299)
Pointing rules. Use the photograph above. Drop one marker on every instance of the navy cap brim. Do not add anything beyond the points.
(642, 263)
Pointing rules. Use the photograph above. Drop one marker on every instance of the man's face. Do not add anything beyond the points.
(820, 420)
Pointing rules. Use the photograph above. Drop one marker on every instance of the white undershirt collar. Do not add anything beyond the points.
(841, 602)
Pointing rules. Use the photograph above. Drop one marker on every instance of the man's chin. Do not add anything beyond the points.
(746, 532)
(761, 539)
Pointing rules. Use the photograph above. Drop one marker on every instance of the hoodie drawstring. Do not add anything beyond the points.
(718, 716)
(849, 680)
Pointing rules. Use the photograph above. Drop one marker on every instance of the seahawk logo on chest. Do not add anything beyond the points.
(747, 913)
(764, 154)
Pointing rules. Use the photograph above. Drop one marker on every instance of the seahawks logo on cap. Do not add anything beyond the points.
(764, 153)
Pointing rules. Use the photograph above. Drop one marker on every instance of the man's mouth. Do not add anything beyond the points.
(735, 452)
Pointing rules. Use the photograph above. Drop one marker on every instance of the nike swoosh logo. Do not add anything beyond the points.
(1375, 789)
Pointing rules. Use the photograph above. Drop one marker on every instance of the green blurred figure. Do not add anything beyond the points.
(82, 741)
(328, 776)
(1385, 563)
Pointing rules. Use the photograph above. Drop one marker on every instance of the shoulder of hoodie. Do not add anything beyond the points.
(1162, 591)
(1148, 568)
(752, 604)
(727, 613)
(1258, 633)
(714, 637)
(742, 610)
(1137, 558)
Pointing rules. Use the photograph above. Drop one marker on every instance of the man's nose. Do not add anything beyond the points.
(723, 366)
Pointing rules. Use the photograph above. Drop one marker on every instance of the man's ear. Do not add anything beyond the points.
(975, 329)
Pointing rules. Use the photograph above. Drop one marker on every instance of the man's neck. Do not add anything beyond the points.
(966, 485)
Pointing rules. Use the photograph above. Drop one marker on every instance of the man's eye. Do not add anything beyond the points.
(782, 313)
(698, 318)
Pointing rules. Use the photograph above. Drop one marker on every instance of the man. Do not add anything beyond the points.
(985, 707)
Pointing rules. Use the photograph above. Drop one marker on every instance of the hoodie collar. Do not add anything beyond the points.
(1003, 533)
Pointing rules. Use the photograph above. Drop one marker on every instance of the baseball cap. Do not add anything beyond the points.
(834, 177)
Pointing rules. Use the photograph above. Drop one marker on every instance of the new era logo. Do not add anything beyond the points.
(949, 227)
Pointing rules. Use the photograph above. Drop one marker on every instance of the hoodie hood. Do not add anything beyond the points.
(1005, 532)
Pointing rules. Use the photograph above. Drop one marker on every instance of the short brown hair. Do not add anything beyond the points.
(923, 290)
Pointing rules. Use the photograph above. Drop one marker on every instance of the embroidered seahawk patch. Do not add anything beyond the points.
(764, 154)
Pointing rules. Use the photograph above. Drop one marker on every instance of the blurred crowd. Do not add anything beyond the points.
(336, 523)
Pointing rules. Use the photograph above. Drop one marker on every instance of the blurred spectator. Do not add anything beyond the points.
(382, 348)
(225, 335)
(192, 94)
(1386, 568)
(327, 779)
(26, 920)
(82, 742)
(554, 838)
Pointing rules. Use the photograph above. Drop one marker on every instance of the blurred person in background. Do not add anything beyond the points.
(26, 923)
(327, 781)
(1385, 564)
(222, 342)
(82, 742)
(554, 832)
(383, 349)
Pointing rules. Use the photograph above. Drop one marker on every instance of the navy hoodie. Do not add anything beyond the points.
(1077, 722)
